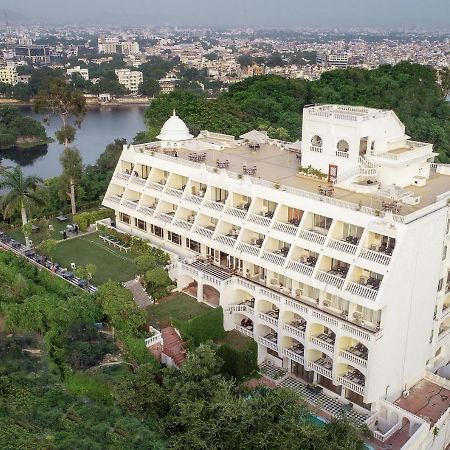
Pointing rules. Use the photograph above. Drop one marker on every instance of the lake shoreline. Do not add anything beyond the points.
(121, 102)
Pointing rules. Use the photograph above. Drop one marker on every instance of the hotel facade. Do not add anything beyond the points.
(331, 253)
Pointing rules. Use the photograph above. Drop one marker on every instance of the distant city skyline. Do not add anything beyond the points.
(253, 13)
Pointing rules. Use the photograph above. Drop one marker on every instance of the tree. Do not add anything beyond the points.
(21, 193)
(149, 87)
(245, 60)
(72, 164)
(48, 247)
(444, 76)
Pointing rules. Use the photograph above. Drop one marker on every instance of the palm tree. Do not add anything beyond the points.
(22, 193)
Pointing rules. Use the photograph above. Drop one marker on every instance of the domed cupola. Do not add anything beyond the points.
(174, 130)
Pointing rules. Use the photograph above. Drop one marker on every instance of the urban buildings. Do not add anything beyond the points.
(339, 270)
(8, 74)
(131, 79)
(84, 73)
(108, 45)
(168, 83)
(34, 53)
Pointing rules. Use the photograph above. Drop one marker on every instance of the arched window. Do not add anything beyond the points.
(316, 140)
(342, 146)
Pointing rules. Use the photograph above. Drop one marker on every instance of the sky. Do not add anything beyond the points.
(228, 13)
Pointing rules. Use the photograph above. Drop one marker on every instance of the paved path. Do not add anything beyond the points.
(140, 296)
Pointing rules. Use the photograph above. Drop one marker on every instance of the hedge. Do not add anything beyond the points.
(84, 219)
(239, 364)
(207, 327)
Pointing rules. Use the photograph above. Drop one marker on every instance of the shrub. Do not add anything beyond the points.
(135, 350)
(207, 327)
(84, 219)
(239, 364)
(87, 386)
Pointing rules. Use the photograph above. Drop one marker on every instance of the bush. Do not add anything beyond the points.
(239, 364)
(86, 386)
(135, 350)
(84, 219)
(207, 327)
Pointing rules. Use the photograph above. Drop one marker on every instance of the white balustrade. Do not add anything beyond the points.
(342, 246)
(248, 248)
(325, 318)
(260, 220)
(182, 224)
(146, 210)
(235, 212)
(300, 268)
(273, 258)
(268, 343)
(129, 204)
(176, 193)
(341, 154)
(362, 291)
(225, 240)
(355, 387)
(320, 370)
(349, 356)
(286, 228)
(202, 231)
(156, 338)
(294, 304)
(269, 319)
(138, 180)
(355, 331)
(215, 206)
(193, 198)
(244, 331)
(293, 356)
(329, 278)
(312, 237)
(315, 148)
(294, 330)
(113, 198)
(322, 344)
(166, 218)
(122, 176)
(377, 257)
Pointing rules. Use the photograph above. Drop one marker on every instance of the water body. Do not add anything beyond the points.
(99, 128)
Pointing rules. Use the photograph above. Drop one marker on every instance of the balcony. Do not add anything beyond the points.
(323, 366)
(228, 240)
(138, 180)
(269, 341)
(175, 193)
(261, 220)
(315, 148)
(184, 224)
(113, 198)
(244, 307)
(331, 278)
(236, 212)
(376, 257)
(195, 199)
(249, 248)
(146, 210)
(296, 327)
(353, 380)
(312, 236)
(300, 268)
(270, 317)
(278, 258)
(340, 154)
(367, 291)
(205, 232)
(324, 341)
(244, 330)
(214, 206)
(295, 353)
(122, 176)
(285, 228)
(355, 355)
(346, 246)
(157, 187)
(164, 217)
(130, 204)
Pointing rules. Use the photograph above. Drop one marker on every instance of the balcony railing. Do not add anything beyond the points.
(300, 268)
(349, 356)
(294, 330)
(311, 236)
(166, 218)
(329, 278)
(322, 344)
(325, 318)
(244, 331)
(342, 246)
(269, 319)
(137, 180)
(155, 186)
(202, 231)
(240, 308)
(293, 355)
(154, 339)
(362, 291)
(215, 206)
(122, 176)
(341, 154)
(315, 148)
(236, 212)
(286, 228)
(268, 343)
(225, 240)
(176, 193)
(248, 248)
(185, 225)
(294, 304)
(355, 387)
(320, 370)
(377, 257)
(278, 260)
(193, 199)
(146, 210)
(260, 220)
(113, 198)
(129, 204)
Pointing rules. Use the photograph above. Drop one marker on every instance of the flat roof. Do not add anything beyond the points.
(277, 165)
(355, 111)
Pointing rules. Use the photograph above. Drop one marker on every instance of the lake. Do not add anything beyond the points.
(99, 128)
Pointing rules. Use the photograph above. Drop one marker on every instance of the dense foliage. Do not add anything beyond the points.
(275, 104)
(16, 129)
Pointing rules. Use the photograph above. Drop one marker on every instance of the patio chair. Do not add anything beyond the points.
(73, 266)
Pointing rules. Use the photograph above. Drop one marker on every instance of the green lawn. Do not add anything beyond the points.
(236, 340)
(90, 249)
(42, 234)
(176, 306)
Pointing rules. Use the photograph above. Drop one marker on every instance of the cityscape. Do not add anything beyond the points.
(225, 231)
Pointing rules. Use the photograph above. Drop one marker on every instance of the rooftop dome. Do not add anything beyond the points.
(174, 130)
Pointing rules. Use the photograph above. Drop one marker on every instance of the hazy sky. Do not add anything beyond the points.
(259, 13)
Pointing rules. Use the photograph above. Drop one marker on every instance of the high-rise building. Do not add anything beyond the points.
(8, 74)
(35, 53)
(337, 60)
(130, 48)
(83, 72)
(338, 268)
(131, 79)
(108, 45)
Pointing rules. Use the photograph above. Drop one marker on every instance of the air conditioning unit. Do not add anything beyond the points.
(405, 393)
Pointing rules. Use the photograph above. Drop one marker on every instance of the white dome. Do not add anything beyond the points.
(174, 130)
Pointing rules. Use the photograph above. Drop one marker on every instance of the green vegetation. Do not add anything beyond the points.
(18, 130)
(178, 306)
(111, 263)
(87, 218)
(274, 104)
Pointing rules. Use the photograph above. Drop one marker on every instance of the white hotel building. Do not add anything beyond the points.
(343, 282)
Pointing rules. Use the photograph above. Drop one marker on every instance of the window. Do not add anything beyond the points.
(322, 221)
(316, 141)
(157, 231)
(351, 230)
(125, 218)
(342, 146)
(193, 245)
(138, 223)
(440, 284)
(174, 237)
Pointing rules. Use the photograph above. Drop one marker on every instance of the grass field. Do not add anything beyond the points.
(90, 249)
(236, 340)
(176, 306)
(41, 235)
